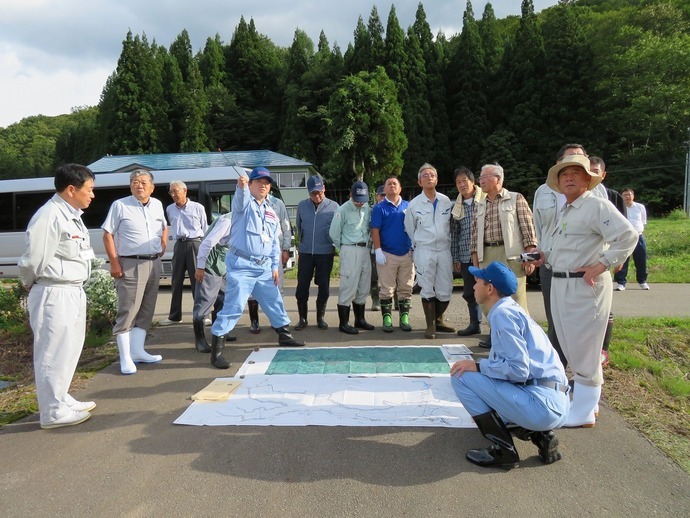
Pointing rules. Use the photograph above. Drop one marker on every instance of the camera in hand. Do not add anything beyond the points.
(529, 256)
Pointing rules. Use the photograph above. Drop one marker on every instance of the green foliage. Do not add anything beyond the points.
(668, 248)
(12, 305)
(365, 128)
(101, 308)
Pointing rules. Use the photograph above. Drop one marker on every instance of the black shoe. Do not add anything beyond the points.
(472, 329)
(360, 320)
(217, 358)
(321, 315)
(344, 317)
(486, 344)
(302, 308)
(200, 337)
(285, 339)
(547, 442)
(253, 307)
(502, 453)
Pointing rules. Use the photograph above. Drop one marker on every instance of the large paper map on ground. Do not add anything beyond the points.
(341, 386)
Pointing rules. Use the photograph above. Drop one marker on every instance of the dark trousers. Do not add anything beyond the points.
(317, 267)
(183, 260)
(545, 276)
(468, 282)
(639, 257)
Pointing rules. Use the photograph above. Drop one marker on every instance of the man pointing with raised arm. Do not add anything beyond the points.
(252, 260)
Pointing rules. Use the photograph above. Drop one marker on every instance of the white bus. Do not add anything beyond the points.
(213, 187)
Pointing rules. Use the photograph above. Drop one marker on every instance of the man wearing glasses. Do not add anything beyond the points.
(316, 250)
(502, 230)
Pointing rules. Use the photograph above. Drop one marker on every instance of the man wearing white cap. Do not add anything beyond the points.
(522, 382)
(589, 238)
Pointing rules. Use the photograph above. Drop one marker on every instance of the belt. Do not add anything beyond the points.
(141, 257)
(239, 253)
(566, 275)
(494, 243)
(355, 244)
(189, 239)
(546, 383)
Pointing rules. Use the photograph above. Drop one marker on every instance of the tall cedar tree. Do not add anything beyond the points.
(221, 104)
(467, 95)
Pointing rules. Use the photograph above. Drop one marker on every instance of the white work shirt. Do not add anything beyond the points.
(219, 235)
(136, 228)
(58, 248)
(427, 222)
(590, 230)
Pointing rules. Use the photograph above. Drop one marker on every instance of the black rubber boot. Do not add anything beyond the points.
(200, 337)
(360, 321)
(375, 301)
(253, 306)
(429, 307)
(502, 453)
(474, 328)
(441, 326)
(386, 314)
(321, 315)
(404, 306)
(217, 358)
(285, 339)
(344, 317)
(546, 442)
(302, 309)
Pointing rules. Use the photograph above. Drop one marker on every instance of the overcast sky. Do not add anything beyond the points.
(57, 54)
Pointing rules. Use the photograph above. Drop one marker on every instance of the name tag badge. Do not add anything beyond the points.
(264, 238)
(87, 254)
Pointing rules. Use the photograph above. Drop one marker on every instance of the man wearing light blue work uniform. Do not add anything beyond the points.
(522, 382)
(252, 262)
(350, 233)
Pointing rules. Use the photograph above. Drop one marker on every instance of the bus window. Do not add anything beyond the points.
(26, 206)
(220, 204)
(6, 224)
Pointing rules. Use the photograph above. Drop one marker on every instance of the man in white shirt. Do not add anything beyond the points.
(637, 215)
(188, 224)
(55, 266)
(135, 235)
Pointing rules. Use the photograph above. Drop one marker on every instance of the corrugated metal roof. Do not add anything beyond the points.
(167, 161)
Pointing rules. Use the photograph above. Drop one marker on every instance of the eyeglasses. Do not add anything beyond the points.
(429, 175)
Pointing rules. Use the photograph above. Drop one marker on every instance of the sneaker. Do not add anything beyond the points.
(620, 287)
(71, 419)
(168, 322)
(644, 286)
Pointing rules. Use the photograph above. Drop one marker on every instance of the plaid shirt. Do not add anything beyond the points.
(492, 223)
(461, 234)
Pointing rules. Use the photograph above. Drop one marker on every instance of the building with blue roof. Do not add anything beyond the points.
(290, 173)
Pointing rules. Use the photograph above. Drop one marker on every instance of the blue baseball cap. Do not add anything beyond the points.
(315, 183)
(261, 172)
(499, 275)
(379, 190)
(360, 192)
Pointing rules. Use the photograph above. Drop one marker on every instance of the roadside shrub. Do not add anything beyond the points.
(101, 305)
(12, 305)
(677, 214)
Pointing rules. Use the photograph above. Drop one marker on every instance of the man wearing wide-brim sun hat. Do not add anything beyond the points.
(590, 238)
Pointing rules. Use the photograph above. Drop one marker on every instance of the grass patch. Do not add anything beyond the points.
(648, 381)
(668, 250)
(16, 365)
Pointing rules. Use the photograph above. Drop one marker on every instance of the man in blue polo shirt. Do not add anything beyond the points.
(522, 382)
(393, 250)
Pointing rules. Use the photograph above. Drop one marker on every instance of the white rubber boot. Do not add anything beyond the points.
(123, 345)
(139, 355)
(585, 400)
